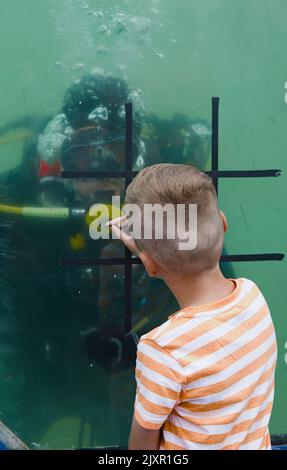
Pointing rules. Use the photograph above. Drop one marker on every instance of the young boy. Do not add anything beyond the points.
(205, 377)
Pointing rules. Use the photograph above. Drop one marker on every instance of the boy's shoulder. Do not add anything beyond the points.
(245, 285)
(248, 285)
(153, 338)
(153, 334)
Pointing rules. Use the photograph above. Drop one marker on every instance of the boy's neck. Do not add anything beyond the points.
(199, 289)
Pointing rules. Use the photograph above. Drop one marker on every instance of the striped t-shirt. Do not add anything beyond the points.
(206, 376)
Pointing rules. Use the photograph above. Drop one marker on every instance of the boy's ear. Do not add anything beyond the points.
(224, 221)
(149, 264)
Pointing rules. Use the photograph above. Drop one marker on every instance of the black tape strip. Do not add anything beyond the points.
(131, 174)
(98, 174)
(243, 173)
(129, 138)
(122, 261)
(91, 261)
(214, 140)
(128, 257)
(256, 257)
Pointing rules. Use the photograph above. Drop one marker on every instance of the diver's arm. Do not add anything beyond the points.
(143, 439)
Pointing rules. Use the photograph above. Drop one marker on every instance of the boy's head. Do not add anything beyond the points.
(178, 184)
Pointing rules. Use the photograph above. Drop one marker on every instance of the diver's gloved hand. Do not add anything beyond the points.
(110, 347)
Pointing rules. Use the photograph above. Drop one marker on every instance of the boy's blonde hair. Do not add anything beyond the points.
(175, 184)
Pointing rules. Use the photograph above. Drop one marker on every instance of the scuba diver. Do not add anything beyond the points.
(89, 135)
(61, 309)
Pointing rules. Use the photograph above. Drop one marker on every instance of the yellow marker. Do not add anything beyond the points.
(114, 211)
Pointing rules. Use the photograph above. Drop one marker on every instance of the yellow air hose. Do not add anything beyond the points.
(55, 212)
(15, 136)
(47, 212)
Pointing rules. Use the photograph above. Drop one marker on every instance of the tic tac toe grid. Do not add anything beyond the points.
(128, 174)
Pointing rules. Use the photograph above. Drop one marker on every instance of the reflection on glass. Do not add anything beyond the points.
(152, 302)
(66, 366)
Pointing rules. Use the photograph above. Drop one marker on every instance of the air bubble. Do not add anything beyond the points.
(98, 71)
(102, 49)
(79, 65)
(59, 65)
(131, 24)
(97, 14)
(158, 54)
(104, 29)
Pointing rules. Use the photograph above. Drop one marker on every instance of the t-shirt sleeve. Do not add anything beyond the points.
(159, 380)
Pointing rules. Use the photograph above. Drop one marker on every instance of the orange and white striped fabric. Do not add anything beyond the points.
(206, 376)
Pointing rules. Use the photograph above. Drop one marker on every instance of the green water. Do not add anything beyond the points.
(176, 55)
